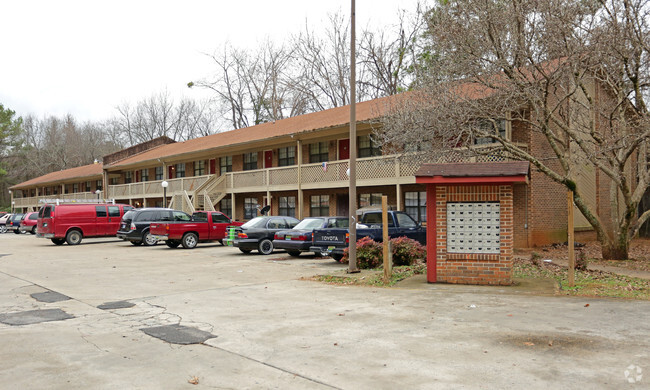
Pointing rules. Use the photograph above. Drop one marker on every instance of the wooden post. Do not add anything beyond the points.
(570, 240)
(388, 259)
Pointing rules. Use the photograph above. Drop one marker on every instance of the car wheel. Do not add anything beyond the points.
(73, 237)
(3, 229)
(17, 231)
(58, 241)
(172, 243)
(265, 246)
(136, 243)
(294, 253)
(221, 242)
(337, 257)
(33, 231)
(190, 240)
(245, 251)
(148, 239)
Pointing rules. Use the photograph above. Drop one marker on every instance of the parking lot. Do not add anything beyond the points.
(106, 314)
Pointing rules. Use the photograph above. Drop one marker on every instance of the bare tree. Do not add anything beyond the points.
(158, 115)
(575, 73)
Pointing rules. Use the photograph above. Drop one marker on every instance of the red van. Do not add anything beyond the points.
(71, 222)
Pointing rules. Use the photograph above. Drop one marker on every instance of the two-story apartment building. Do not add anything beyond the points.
(297, 165)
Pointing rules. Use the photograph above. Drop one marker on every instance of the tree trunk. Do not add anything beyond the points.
(615, 251)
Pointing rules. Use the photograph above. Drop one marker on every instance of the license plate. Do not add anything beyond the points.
(330, 248)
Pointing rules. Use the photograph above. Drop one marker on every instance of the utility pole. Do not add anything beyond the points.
(352, 264)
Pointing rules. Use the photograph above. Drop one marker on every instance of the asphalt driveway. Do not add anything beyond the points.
(105, 314)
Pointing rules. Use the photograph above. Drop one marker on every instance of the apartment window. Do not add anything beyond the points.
(98, 185)
(180, 170)
(128, 177)
(55, 190)
(490, 126)
(225, 206)
(88, 186)
(318, 152)
(75, 188)
(416, 205)
(367, 147)
(286, 156)
(159, 173)
(366, 200)
(113, 181)
(250, 208)
(250, 161)
(144, 175)
(287, 206)
(199, 168)
(319, 206)
(225, 164)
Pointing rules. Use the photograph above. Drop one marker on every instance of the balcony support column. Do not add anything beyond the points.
(398, 192)
(234, 206)
(300, 194)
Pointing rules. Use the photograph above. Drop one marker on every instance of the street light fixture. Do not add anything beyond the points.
(13, 205)
(164, 185)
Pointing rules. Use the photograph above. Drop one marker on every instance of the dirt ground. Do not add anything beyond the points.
(639, 254)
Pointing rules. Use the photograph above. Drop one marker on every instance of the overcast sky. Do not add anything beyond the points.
(84, 57)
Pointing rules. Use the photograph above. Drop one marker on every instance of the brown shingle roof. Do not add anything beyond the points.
(83, 172)
(333, 117)
(493, 169)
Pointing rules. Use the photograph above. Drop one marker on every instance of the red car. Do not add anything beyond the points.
(29, 222)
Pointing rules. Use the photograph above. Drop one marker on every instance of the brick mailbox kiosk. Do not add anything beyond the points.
(470, 220)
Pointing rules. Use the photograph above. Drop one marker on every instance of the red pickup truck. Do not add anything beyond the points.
(205, 226)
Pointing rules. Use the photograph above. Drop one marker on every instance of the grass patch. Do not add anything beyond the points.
(588, 283)
(374, 278)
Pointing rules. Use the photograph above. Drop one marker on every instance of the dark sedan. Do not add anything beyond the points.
(257, 234)
(298, 239)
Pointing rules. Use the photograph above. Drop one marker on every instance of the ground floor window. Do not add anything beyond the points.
(319, 206)
(250, 208)
(366, 200)
(416, 205)
(287, 206)
(225, 207)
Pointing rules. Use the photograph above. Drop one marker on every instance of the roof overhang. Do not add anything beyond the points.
(474, 173)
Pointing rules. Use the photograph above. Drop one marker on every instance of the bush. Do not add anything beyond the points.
(370, 254)
(407, 251)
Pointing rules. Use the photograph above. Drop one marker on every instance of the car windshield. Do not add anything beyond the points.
(258, 222)
(309, 224)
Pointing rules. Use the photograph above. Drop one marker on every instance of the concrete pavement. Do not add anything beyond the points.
(269, 329)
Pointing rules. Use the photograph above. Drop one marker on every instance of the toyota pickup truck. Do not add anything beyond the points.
(333, 241)
(205, 226)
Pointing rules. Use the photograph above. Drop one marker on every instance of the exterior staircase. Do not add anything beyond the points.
(209, 193)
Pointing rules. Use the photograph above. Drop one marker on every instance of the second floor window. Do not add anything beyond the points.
(98, 185)
(75, 188)
(486, 126)
(286, 157)
(180, 170)
(113, 181)
(128, 177)
(367, 147)
(225, 165)
(250, 161)
(159, 173)
(144, 175)
(318, 152)
(88, 186)
(199, 168)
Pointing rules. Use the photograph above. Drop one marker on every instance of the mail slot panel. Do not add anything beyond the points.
(473, 227)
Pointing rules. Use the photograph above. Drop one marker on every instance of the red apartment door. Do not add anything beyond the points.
(344, 149)
(213, 166)
(268, 159)
(170, 172)
(137, 176)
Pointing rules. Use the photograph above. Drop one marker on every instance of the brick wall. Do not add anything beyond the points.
(473, 268)
(133, 150)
